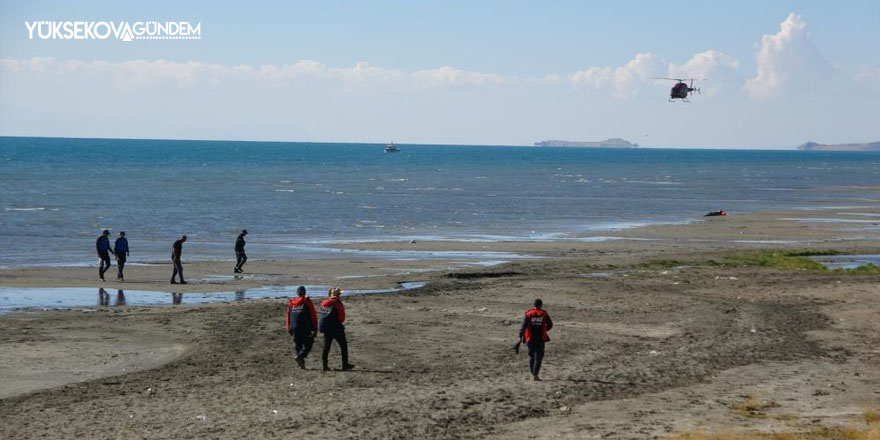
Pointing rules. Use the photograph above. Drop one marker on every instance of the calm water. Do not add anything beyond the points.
(21, 298)
(57, 194)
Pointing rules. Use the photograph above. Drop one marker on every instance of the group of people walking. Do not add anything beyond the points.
(121, 251)
(303, 323)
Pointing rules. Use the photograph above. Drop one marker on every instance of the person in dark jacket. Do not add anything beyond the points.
(331, 325)
(120, 248)
(533, 332)
(302, 324)
(176, 251)
(102, 245)
(240, 256)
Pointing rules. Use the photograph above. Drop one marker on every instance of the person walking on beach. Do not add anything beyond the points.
(302, 324)
(176, 251)
(120, 248)
(240, 256)
(331, 325)
(102, 245)
(533, 332)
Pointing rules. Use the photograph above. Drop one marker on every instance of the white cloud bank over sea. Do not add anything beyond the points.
(790, 94)
(784, 60)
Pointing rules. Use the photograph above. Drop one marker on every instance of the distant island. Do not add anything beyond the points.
(612, 142)
(813, 146)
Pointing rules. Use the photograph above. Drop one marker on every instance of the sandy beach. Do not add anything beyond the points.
(663, 332)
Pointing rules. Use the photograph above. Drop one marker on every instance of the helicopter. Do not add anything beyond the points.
(681, 89)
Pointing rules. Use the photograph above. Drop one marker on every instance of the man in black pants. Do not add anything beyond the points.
(102, 245)
(120, 248)
(330, 324)
(302, 324)
(240, 256)
(534, 333)
(176, 251)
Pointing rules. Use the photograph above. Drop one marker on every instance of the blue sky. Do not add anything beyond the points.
(490, 72)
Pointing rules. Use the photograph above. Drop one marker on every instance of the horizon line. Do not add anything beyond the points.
(405, 143)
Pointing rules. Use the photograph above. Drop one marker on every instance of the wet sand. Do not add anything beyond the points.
(642, 348)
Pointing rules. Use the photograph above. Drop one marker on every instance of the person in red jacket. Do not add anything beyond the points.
(331, 325)
(302, 324)
(534, 333)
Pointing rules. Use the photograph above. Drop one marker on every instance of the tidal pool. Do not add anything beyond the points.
(847, 261)
(38, 298)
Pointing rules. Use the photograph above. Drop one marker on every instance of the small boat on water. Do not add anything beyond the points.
(391, 148)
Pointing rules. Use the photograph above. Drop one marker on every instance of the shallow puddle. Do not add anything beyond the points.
(22, 298)
(847, 261)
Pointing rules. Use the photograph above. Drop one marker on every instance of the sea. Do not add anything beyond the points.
(301, 200)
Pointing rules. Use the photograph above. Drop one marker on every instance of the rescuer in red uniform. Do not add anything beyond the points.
(330, 324)
(534, 333)
(302, 323)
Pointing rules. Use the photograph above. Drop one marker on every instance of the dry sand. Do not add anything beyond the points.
(640, 349)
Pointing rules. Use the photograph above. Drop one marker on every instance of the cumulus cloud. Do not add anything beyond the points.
(787, 59)
(621, 80)
(625, 81)
(716, 67)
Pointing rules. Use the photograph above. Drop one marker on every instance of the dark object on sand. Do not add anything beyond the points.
(717, 213)
(516, 347)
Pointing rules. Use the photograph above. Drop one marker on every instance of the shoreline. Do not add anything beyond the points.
(327, 248)
(383, 264)
(296, 249)
(863, 219)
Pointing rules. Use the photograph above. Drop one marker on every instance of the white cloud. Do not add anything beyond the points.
(133, 72)
(450, 76)
(140, 72)
(716, 67)
(621, 80)
(627, 80)
(786, 59)
(361, 73)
